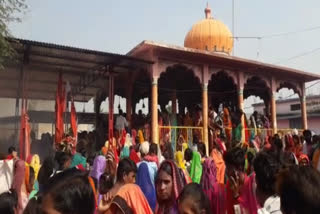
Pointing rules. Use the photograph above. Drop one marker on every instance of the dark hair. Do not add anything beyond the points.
(45, 172)
(125, 166)
(278, 144)
(70, 192)
(299, 190)
(153, 148)
(165, 166)
(11, 149)
(297, 138)
(105, 183)
(168, 153)
(33, 206)
(306, 132)
(266, 168)
(199, 199)
(8, 202)
(188, 154)
(61, 158)
(202, 149)
(236, 158)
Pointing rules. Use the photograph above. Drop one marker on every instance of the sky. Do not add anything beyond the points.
(118, 26)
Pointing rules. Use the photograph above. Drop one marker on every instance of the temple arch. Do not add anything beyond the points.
(180, 83)
(222, 88)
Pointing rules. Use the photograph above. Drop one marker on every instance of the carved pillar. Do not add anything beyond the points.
(303, 104)
(154, 110)
(205, 106)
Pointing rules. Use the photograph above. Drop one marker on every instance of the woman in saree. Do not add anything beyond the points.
(227, 124)
(130, 199)
(145, 183)
(217, 156)
(196, 167)
(98, 168)
(180, 163)
(169, 185)
(215, 192)
(35, 164)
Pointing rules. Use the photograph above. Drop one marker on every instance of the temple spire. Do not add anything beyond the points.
(207, 11)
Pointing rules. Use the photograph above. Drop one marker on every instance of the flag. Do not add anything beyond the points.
(24, 141)
(74, 120)
(60, 109)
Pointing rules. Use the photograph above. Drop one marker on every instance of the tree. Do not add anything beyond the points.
(10, 11)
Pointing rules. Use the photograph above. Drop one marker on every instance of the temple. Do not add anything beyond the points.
(201, 76)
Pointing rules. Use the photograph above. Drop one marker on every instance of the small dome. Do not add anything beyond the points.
(210, 34)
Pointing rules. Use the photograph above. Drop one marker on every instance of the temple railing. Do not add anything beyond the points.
(175, 131)
(265, 131)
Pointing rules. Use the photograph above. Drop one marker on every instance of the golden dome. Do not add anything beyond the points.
(209, 34)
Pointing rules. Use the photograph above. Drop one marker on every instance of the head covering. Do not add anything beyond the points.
(209, 174)
(125, 152)
(303, 157)
(196, 167)
(141, 138)
(35, 163)
(99, 165)
(146, 185)
(130, 199)
(78, 159)
(220, 165)
(134, 156)
(177, 180)
(216, 192)
(144, 148)
(179, 160)
(184, 146)
(295, 132)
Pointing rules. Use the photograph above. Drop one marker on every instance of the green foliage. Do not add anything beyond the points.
(10, 11)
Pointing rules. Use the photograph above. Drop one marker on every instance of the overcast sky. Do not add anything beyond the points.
(117, 26)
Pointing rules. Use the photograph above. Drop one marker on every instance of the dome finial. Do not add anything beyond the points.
(207, 11)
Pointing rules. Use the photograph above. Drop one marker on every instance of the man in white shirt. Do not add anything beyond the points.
(121, 122)
(266, 167)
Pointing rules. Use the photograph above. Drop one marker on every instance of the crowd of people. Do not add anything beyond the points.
(132, 175)
(256, 173)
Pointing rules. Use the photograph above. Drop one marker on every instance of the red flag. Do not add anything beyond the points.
(74, 120)
(24, 143)
(60, 109)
